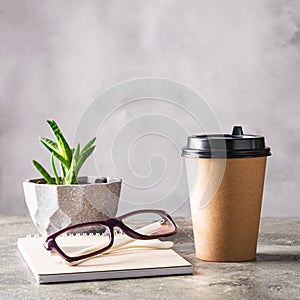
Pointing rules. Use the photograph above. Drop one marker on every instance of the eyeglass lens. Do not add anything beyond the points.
(83, 240)
(157, 224)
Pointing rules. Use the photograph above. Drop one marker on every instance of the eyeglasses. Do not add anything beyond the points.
(82, 241)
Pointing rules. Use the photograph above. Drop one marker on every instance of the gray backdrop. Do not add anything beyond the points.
(242, 56)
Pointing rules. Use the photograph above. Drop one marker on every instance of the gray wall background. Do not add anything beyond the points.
(242, 56)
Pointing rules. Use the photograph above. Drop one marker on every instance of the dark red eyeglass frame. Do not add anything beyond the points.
(50, 243)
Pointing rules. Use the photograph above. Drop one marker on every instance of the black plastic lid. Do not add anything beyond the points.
(235, 145)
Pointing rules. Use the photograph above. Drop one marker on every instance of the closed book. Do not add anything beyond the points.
(133, 262)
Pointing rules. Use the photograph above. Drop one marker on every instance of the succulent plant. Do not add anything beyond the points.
(70, 159)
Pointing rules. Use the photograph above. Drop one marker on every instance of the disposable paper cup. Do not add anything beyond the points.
(226, 178)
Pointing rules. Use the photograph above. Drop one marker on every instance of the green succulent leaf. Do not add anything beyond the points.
(43, 172)
(53, 148)
(76, 153)
(51, 144)
(63, 170)
(83, 156)
(54, 169)
(89, 144)
(71, 175)
(63, 145)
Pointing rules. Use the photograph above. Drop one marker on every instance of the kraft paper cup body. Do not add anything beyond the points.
(226, 174)
(225, 199)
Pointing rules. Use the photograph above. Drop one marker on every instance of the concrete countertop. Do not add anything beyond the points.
(275, 274)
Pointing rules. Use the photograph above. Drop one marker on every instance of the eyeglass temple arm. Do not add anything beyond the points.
(156, 244)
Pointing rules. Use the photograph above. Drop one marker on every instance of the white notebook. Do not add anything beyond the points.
(129, 263)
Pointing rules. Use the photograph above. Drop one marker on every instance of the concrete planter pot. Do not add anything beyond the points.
(53, 207)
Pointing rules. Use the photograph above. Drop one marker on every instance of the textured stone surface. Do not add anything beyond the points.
(275, 274)
(53, 207)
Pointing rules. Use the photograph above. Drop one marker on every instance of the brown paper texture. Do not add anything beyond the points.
(226, 227)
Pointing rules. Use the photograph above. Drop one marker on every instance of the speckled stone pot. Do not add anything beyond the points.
(53, 207)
